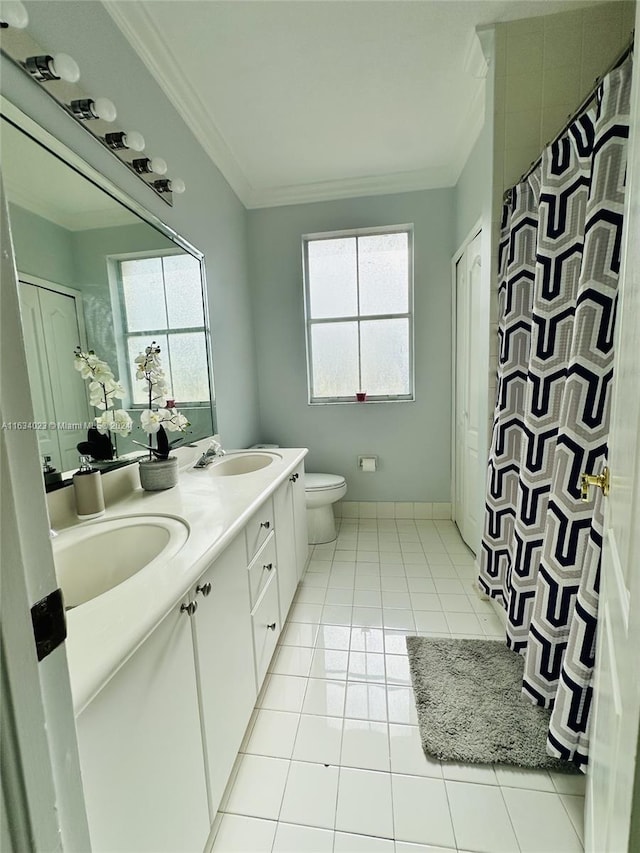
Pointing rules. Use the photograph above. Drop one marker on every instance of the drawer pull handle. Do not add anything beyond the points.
(272, 626)
(189, 608)
(268, 566)
(205, 589)
(266, 525)
(294, 478)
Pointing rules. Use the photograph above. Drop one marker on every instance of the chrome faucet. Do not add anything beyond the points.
(213, 452)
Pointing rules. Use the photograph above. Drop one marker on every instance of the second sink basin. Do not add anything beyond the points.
(93, 558)
(242, 463)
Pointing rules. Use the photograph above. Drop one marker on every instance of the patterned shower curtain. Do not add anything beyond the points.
(559, 259)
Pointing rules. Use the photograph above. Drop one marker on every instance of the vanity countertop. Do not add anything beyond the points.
(104, 632)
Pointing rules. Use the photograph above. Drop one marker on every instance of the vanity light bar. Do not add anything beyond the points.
(58, 75)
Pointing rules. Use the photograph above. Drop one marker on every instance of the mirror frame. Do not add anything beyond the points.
(24, 124)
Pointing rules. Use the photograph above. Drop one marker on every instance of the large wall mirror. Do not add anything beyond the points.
(97, 271)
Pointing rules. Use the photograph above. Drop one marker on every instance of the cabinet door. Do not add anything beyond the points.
(285, 544)
(300, 521)
(141, 750)
(224, 653)
(266, 627)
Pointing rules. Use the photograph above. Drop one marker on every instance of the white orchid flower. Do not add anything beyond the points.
(122, 423)
(151, 421)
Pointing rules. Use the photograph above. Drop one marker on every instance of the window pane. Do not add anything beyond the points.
(335, 359)
(385, 357)
(190, 378)
(135, 345)
(143, 289)
(332, 278)
(384, 273)
(184, 291)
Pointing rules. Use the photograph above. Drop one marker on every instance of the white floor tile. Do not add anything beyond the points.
(347, 842)
(421, 811)
(391, 583)
(336, 614)
(329, 663)
(541, 822)
(238, 834)
(423, 585)
(367, 598)
(367, 640)
(366, 666)
(258, 788)
(426, 600)
(301, 612)
(448, 586)
(365, 745)
(407, 754)
(481, 774)
(310, 795)
(366, 701)
(299, 634)
(273, 734)
(570, 783)
(364, 803)
(398, 619)
(336, 637)
(402, 706)
(396, 600)
(464, 623)
(480, 818)
(395, 642)
(367, 582)
(367, 617)
(575, 809)
(324, 698)
(311, 595)
(455, 603)
(318, 739)
(283, 693)
(341, 596)
(317, 579)
(406, 847)
(292, 660)
(291, 838)
(518, 777)
(431, 621)
(397, 667)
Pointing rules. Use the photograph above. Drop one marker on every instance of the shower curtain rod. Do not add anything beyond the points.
(584, 104)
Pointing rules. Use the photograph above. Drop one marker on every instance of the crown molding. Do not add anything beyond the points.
(473, 124)
(400, 182)
(82, 221)
(132, 19)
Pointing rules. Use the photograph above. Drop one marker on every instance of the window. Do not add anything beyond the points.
(162, 301)
(358, 306)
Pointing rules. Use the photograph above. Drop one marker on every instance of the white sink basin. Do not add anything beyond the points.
(95, 557)
(242, 463)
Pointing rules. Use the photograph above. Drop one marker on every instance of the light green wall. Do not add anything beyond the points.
(209, 214)
(412, 440)
(41, 248)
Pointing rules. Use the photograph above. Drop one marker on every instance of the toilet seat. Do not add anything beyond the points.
(323, 482)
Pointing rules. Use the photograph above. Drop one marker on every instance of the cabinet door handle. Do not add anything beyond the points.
(268, 566)
(266, 525)
(272, 626)
(205, 589)
(189, 608)
(294, 478)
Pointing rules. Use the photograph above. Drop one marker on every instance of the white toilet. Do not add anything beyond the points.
(321, 492)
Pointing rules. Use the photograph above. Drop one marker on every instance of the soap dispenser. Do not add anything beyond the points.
(51, 476)
(87, 486)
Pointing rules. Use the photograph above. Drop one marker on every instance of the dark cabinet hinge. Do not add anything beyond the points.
(49, 623)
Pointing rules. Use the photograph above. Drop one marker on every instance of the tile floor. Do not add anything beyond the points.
(332, 760)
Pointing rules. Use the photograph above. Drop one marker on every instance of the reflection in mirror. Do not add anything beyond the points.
(96, 275)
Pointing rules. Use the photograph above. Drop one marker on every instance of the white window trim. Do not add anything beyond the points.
(407, 229)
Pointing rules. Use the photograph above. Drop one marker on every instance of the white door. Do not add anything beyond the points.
(616, 711)
(468, 502)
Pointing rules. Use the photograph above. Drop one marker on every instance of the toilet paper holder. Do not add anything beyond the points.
(368, 464)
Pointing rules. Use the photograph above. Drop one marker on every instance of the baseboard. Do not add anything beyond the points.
(391, 509)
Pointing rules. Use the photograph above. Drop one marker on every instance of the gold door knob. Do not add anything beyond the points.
(601, 481)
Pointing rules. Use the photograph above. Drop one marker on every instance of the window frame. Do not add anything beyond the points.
(122, 329)
(312, 399)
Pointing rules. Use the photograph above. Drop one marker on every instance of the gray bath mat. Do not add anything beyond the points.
(470, 708)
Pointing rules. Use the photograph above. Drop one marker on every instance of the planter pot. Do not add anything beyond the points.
(158, 474)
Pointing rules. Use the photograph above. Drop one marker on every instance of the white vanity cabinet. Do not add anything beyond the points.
(141, 750)
(291, 535)
(224, 657)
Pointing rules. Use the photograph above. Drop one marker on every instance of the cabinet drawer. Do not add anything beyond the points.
(261, 569)
(258, 528)
(266, 627)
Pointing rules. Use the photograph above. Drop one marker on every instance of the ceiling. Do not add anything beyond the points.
(318, 99)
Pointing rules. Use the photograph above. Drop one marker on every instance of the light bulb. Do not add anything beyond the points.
(134, 140)
(177, 185)
(65, 68)
(13, 14)
(158, 166)
(104, 109)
